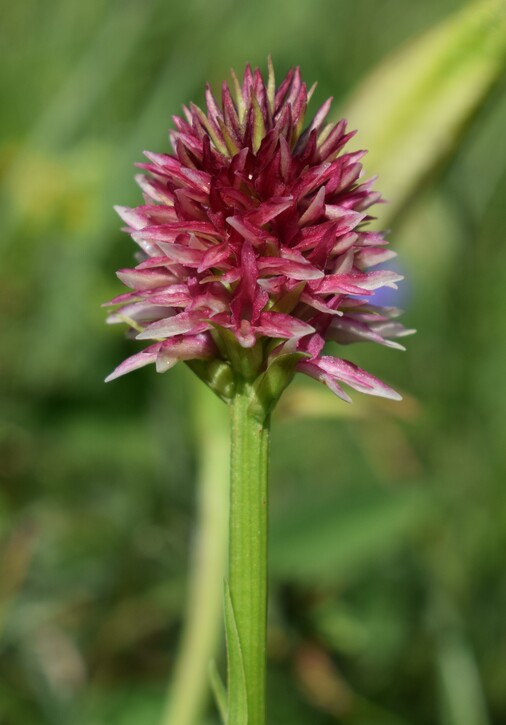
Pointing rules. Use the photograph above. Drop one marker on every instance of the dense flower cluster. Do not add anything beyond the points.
(254, 242)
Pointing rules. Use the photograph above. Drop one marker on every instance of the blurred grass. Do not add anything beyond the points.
(403, 513)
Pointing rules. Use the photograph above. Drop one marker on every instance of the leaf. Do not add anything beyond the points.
(219, 691)
(338, 538)
(462, 695)
(237, 711)
(411, 110)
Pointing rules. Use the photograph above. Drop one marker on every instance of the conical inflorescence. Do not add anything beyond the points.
(254, 244)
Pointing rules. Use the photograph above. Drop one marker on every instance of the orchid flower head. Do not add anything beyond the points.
(255, 247)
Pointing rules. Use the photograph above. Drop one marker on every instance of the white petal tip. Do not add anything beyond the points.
(394, 396)
(164, 364)
(394, 345)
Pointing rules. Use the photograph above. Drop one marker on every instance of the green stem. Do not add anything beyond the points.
(248, 552)
(202, 629)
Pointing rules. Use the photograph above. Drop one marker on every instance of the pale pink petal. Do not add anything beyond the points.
(180, 324)
(135, 362)
(373, 255)
(319, 304)
(339, 284)
(197, 347)
(314, 371)
(139, 312)
(355, 377)
(391, 329)
(381, 278)
(315, 210)
(143, 279)
(291, 270)
(182, 254)
(345, 330)
(277, 324)
(135, 218)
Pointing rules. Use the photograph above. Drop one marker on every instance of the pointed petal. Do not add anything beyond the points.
(340, 284)
(311, 369)
(344, 262)
(288, 268)
(251, 232)
(318, 304)
(392, 329)
(248, 299)
(345, 330)
(133, 217)
(315, 210)
(269, 210)
(381, 278)
(135, 362)
(180, 324)
(215, 256)
(168, 232)
(355, 377)
(347, 220)
(181, 254)
(357, 284)
(139, 312)
(372, 256)
(144, 279)
(277, 324)
(197, 347)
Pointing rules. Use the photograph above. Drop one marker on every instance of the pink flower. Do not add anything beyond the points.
(254, 245)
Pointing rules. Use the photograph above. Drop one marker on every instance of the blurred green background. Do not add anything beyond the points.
(388, 527)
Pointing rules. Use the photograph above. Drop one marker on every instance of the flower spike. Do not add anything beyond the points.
(255, 244)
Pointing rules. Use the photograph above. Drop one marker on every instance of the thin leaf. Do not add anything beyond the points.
(219, 691)
(462, 697)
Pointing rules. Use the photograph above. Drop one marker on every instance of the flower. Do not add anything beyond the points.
(254, 246)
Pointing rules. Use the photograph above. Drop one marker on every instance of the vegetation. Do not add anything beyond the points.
(388, 523)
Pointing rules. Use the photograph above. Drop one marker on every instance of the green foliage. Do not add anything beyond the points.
(415, 106)
(388, 521)
(218, 689)
(335, 538)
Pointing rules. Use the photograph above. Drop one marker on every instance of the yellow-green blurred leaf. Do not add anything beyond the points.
(412, 108)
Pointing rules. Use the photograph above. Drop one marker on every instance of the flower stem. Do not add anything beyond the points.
(248, 554)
